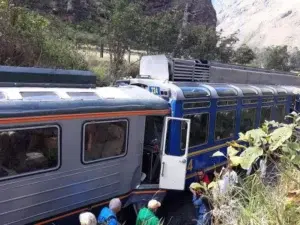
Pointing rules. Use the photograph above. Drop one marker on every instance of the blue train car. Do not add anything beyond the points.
(217, 112)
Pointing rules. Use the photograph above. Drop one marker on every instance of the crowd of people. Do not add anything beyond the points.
(226, 179)
(147, 215)
(108, 215)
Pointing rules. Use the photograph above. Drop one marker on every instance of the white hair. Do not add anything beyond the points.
(87, 218)
(115, 203)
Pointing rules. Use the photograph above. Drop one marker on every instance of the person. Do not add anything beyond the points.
(230, 175)
(87, 218)
(108, 215)
(202, 205)
(146, 216)
(201, 176)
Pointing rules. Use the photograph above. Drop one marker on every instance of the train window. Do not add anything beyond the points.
(281, 91)
(153, 130)
(249, 101)
(39, 95)
(199, 129)
(267, 100)
(196, 105)
(105, 139)
(248, 91)
(248, 118)
(227, 102)
(83, 95)
(267, 91)
(225, 124)
(265, 114)
(280, 113)
(282, 99)
(224, 90)
(28, 150)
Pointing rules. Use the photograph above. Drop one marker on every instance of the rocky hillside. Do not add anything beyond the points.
(201, 12)
(260, 23)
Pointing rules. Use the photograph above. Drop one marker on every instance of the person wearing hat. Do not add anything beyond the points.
(202, 204)
(146, 216)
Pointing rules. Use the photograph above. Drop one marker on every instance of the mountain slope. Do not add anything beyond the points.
(260, 23)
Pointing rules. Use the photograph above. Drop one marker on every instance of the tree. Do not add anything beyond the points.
(295, 59)
(225, 49)
(276, 57)
(159, 32)
(199, 42)
(121, 30)
(244, 55)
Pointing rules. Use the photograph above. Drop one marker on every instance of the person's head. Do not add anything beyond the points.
(87, 218)
(153, 205)
(229, 166)
(115, 205)
(200, 173)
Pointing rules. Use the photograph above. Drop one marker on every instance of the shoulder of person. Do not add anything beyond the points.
(113, 221)
(154, 220)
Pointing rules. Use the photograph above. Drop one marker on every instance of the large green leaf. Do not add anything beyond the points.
(296, 160)
(231, 151)
(256, 136)
(272, 123)
(249, 156)
(212, 184)
(236, 160)
(279, 136)
(218, 154)
(243, 137)
(294, 146)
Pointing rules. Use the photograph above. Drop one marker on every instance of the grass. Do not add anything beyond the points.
(254, 203)
(101, 65)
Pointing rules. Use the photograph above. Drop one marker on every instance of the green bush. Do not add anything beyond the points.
(29, 39)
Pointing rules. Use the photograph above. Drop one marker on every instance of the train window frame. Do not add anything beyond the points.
(229, 110)
(228, 105)
(107, 158)
(267, 100)
(59, 149)
(282, 99)
(91, 96)
(254, 118)
(208, 129)
(34, 97)
(277, 109)
(250, 99)
(205, 107)
(266, 106)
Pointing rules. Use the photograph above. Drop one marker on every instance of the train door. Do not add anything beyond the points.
(173, 168)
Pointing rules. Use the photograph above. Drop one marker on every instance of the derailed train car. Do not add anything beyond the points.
(67, 146)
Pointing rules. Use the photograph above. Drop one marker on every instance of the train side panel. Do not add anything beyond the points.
(72, 184)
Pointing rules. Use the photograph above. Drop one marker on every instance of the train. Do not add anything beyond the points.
(68, 146)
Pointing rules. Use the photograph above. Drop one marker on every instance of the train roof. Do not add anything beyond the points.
(192, 90)
(161, 67)
(11, 76)
(28, 101)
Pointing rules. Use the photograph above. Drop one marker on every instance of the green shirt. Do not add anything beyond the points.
(146, 217)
